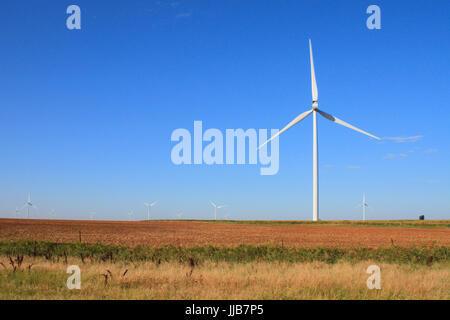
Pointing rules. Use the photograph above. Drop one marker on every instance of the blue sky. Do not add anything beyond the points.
(86, 115)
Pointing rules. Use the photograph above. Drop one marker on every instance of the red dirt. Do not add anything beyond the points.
(156, 233)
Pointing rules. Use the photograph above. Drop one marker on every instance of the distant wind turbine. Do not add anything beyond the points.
(92, 215)
(364, 205)
(179, 215)
(17, 212)
(149, 206)
(52, 214)
(28, 204)
(215, 209)
(130, 215)
(302, 116)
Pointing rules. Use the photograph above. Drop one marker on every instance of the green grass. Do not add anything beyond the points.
(421, 255)
(428, 224)
(22, 283)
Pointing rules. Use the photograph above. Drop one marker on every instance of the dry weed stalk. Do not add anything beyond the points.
(106, 277)
(192, 264)
(15, 263)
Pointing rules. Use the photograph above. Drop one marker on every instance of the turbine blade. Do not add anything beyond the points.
(345, 124)
(214, 205)
(151, 205)
(313, 75)
(292, 123)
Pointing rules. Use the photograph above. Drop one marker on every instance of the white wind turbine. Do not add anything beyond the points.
(364, 205)
(130, 215)
(149, 206)
(179, 215)
(302, 116)
(92, 215)
(215, 209)
(29, 205)
(16, 213)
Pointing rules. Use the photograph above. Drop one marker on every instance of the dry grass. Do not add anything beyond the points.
(256, 280)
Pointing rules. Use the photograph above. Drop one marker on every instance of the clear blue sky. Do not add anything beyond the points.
(86, 115)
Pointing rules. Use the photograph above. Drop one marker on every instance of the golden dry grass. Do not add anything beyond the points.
(257, 280)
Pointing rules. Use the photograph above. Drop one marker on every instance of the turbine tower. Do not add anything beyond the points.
(215, 209)
(29, 205)
(149, 206)
(314, 110)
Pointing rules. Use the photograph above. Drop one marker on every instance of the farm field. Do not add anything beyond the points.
(194, 233)
(223, 259)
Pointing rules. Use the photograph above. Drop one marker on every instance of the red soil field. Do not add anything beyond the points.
(181, 233)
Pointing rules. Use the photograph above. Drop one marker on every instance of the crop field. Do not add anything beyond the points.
(193, 233)
(224, 259)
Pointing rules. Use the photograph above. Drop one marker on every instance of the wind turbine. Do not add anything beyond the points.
(179, 215)
(130, 215)
(29, 205)
(364, 205)
(92, 215)
(149, 206)
(302, 116)
(52, 214)
(215, 209)
(16, 213)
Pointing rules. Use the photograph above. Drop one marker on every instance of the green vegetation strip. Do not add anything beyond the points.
(422, 255)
